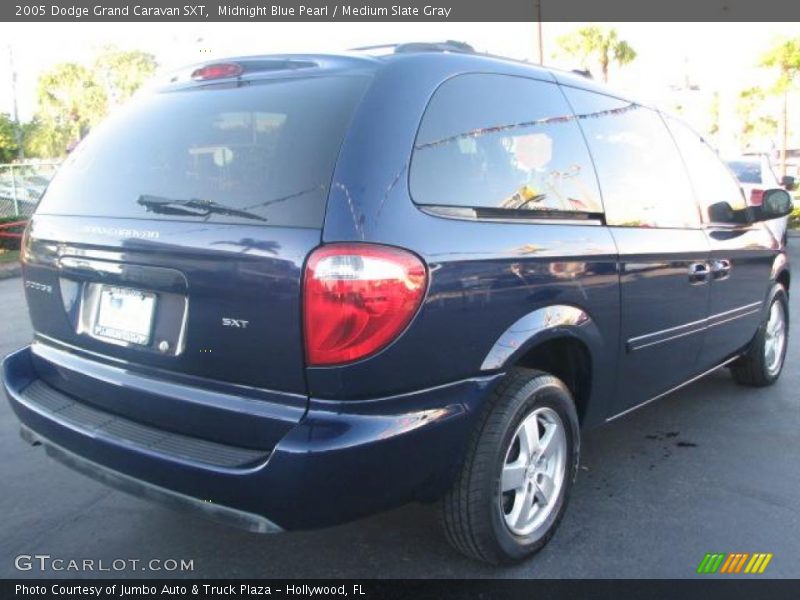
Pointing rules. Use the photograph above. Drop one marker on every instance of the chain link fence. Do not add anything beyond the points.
(21, 186)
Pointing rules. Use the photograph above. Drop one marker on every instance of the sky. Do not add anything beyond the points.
(719, 57)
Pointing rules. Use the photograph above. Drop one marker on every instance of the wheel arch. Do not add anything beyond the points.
(562, 340)
(780, 271)
(784, 278)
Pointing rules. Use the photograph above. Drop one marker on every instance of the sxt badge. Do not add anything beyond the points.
(240, 323)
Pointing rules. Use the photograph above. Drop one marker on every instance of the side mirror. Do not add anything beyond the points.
(788, 182)
(775, 204)
(723, 212)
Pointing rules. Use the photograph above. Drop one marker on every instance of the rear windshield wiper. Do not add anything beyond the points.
(193, 207)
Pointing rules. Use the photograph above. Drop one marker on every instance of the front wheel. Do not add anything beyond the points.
(513, 488)
(762, 364)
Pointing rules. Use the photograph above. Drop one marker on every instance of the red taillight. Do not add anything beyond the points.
(357, 298)
(217, 71)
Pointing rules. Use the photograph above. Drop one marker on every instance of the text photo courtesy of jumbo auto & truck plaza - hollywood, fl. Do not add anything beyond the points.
(418, 300)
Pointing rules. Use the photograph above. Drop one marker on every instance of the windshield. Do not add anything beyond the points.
(257, 153)
(745, 171)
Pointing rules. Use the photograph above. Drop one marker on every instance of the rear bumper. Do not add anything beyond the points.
(342, 460)
(138, 487)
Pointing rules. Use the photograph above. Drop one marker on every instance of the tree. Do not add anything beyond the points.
(8, 139)
(73, 98)
(752, 123)
(600, 44)
(785, 57)
(70, 103)
(122, 72)
(713, 128)
(38, 140)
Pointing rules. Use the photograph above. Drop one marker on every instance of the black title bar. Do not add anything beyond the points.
(710, 588)
(399, 10)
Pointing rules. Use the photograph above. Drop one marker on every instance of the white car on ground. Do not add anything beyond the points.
(756, 174)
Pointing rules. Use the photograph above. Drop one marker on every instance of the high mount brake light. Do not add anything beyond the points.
(217, 71)
(357, 298)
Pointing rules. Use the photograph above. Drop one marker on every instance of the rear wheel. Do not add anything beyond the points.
(513, 488)
(762, 364)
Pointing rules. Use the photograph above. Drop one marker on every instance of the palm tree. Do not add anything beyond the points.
(599, 43)
(785, 56)
(752, 121)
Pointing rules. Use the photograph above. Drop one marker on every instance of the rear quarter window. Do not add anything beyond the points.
(263, 152)
(504, 143)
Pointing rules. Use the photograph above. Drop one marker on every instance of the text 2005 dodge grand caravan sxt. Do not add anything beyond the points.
(289, 291)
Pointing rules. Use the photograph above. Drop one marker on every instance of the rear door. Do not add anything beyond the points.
(663, 252)
(174, 236)
(741, 255)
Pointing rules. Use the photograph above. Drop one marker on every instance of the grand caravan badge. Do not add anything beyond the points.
(122, 232)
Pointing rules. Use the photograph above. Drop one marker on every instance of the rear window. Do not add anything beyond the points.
(746, 172)
(261, 153)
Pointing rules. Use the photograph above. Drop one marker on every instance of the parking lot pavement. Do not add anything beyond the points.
(712, 468)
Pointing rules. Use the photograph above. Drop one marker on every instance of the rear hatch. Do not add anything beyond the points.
(172, 241)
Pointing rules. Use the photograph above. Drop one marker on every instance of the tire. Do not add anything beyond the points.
(760, 367)
(474, 511)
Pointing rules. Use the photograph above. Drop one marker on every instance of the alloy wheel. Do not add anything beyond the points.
(533, 472)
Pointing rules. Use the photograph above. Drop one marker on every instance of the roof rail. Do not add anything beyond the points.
(446, 46)
(583, 73)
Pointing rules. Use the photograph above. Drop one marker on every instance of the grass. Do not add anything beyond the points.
(7, 256)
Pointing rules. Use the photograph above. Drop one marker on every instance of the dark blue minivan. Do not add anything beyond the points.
(290, 291)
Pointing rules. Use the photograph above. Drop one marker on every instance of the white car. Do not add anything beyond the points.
(755, 175)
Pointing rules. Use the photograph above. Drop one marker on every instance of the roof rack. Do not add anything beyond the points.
(446, 46)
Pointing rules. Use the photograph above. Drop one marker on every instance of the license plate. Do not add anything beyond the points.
(125, 315)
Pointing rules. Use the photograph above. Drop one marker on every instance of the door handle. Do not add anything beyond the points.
(721, 269)
(699, 272)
